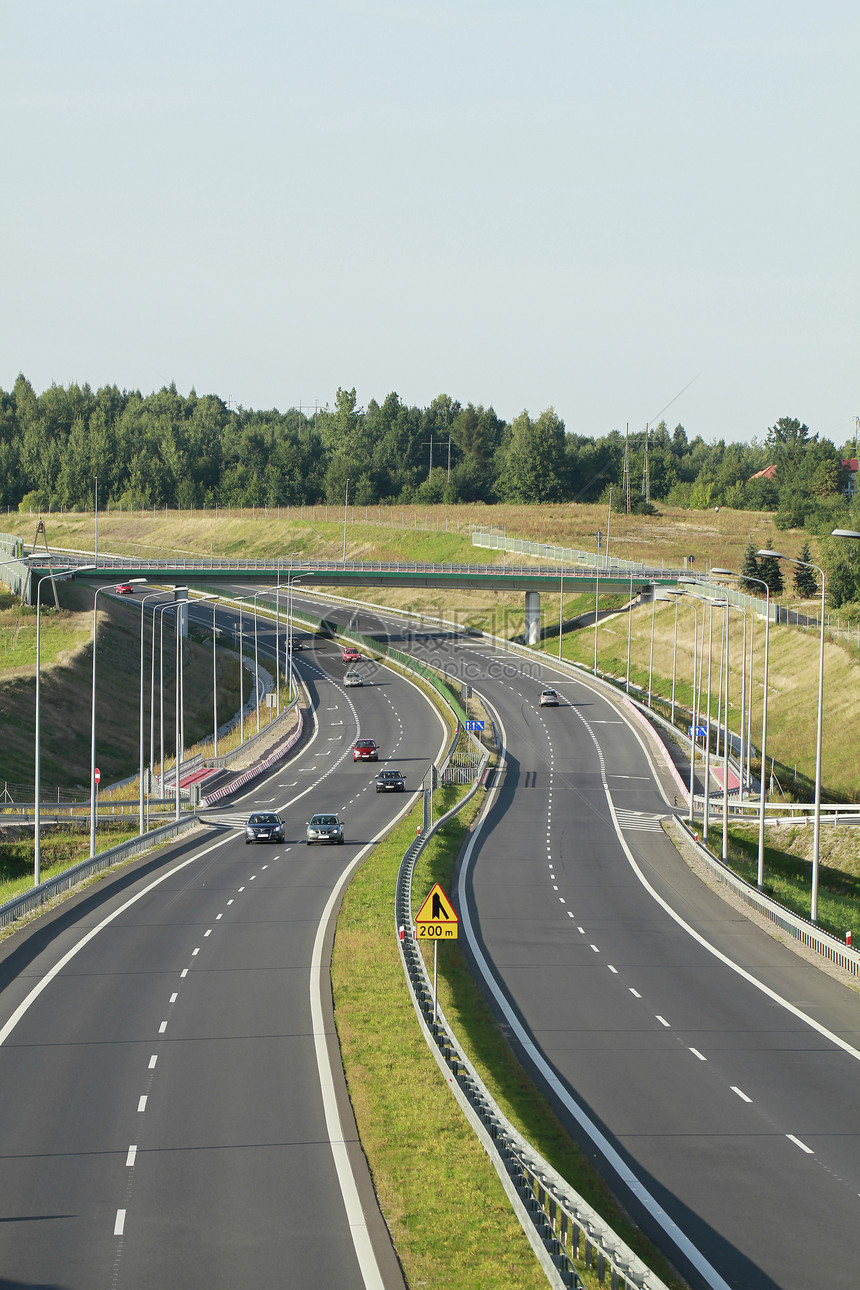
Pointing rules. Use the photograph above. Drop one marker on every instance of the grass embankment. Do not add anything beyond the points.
(59, 851)
(416, 532)
(792, 686)
(66, 694)
(788, 869)
(427, 1164)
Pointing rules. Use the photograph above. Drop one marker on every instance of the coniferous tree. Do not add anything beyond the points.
(750, 569)
(771, 573)
(805, 581)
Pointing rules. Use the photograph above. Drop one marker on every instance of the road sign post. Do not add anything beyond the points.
(436, 921)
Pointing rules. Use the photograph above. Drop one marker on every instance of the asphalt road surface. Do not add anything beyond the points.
(165, 1112)
(717, 1072)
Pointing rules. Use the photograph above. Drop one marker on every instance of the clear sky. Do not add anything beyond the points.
(583, 205)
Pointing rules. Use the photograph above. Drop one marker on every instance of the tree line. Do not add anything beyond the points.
(165, 448)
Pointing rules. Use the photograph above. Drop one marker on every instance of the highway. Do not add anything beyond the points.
(164, 1052)
(718, 1072)
(171, 1107)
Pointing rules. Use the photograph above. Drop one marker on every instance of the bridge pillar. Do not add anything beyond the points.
(532, 632)
(180, 597)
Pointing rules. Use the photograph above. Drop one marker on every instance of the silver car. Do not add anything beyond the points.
(325, 828)
(353, 678)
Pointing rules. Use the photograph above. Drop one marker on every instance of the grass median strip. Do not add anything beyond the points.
(449, 1217)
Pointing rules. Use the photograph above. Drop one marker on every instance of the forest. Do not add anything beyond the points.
(164, 448)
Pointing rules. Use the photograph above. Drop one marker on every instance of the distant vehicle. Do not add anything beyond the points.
(390, 781)
(124, 589)
(353, 678)
(297, 642)
(548, 699)
(325, 828)
(365, 750)
(350, 655)
(264, 826)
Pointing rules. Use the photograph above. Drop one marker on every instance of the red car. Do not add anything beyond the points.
(350, 655)
(125, 589)
(365, 750)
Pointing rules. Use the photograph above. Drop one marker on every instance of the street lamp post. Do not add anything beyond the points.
(156, 609)
(214, 684)
(345, 505)
(712, 605)
(93, 721)
(560, 604)
(629, 631)
(264, 591)
(291, 582)
(199, 600)
(241, 600)
(723, 573)
(142, 752)
(596, 600)
(816, 838)
(37, 832)
(288, 645)
(657, 595)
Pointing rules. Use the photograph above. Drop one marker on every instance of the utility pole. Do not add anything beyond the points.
(430, 468)
(625, 482)
(646, 476)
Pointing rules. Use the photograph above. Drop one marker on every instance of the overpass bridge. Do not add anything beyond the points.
(213, 573)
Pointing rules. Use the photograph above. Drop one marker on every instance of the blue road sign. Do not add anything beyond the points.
(474, 725)
(701, 731)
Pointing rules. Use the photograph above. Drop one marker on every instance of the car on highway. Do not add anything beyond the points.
(325, 828)
(264, 826)
(297, 642)
(365, 750)
(124, 589)
(549, 698)
(390, 781)
(353, 678)
(350, 655)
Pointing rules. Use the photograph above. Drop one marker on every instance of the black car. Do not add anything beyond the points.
(390, 781)
(297, 642)
(264, 826)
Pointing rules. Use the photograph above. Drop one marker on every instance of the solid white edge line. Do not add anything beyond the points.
(712, 949)
(621, 1168)
(320, 979)
(43, 983)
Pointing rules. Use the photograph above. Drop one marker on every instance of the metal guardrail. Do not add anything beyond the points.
(799, 929)
(560, 1224)
(226, 759)
(259, 768)
(33, 899)
(568, 556)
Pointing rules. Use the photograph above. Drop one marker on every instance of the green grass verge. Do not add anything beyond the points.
(788, 878)
(58, 852)
(423, 1156)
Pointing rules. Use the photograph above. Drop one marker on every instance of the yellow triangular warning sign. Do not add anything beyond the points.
(436, 908)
